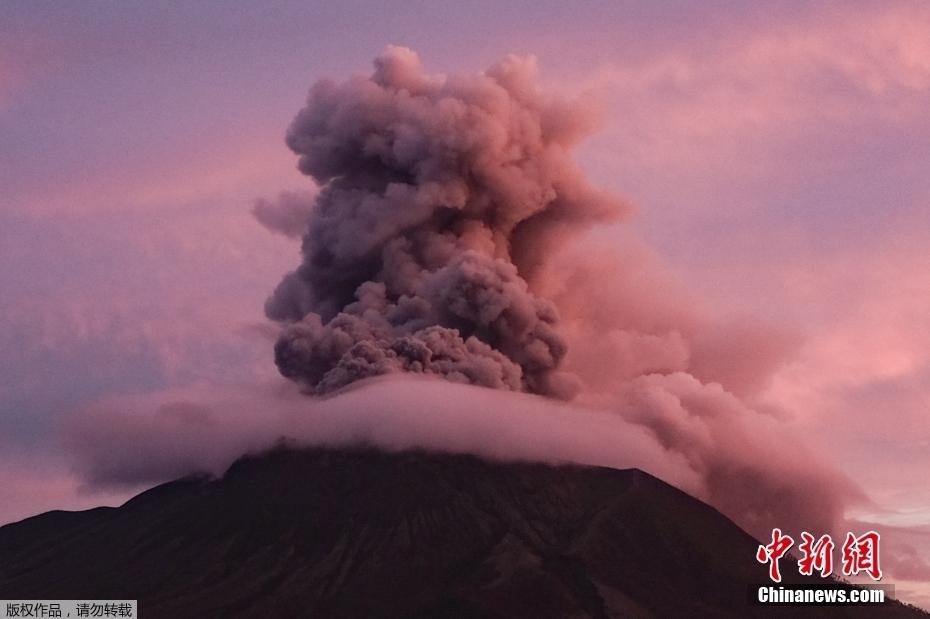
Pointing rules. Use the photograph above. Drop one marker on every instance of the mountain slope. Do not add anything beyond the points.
(337, 533)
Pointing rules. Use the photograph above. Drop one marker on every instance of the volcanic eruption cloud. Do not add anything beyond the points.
(440, 243)
(443, 240)
(440, 199)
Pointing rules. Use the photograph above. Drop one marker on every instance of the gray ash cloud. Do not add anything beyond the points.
(440, 198)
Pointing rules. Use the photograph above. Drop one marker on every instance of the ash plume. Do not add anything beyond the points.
(437, 248)
(439, 243)
(440, 197)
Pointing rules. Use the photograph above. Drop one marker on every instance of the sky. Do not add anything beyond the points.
(774, 153)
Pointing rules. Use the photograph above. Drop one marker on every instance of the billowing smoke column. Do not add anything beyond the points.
(439, 198)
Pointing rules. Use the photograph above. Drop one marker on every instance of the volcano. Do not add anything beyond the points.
(365, 533)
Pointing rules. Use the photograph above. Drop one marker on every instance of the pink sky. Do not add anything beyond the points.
(776, 157)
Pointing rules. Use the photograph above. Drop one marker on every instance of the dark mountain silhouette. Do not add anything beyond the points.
(362, 533)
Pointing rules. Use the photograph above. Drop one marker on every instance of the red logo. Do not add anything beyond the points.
(860, 554)
(816, 555)
(773, 552)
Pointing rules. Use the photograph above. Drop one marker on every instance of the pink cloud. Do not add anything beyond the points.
(739, 105)
(160, 436)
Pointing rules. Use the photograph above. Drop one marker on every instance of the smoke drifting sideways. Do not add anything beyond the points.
(446, 252)
(439, 198)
